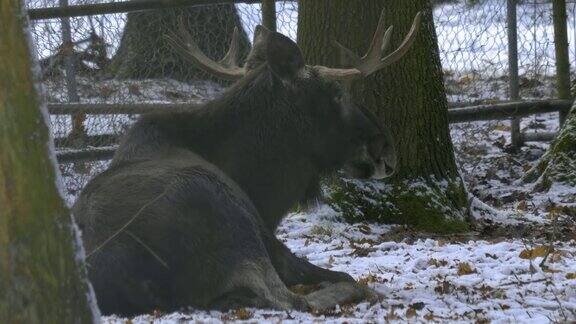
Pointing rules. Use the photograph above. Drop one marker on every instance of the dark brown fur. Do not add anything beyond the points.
(192, 199)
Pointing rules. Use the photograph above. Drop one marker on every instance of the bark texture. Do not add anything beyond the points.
(41, 278)
(560, 19)
(145, 53)
(409, 98)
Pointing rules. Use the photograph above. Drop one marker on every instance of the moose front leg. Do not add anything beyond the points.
(294, 270)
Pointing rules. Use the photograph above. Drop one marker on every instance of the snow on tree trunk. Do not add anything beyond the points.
(409, 98)
(145, 53)
(558, 164)
(42, 275)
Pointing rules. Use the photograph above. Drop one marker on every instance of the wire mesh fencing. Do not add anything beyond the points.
(125, 58)
(473, 43)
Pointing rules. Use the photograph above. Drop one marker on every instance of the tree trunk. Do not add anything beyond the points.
(409, 98)
(42, 276)
(268, 8)
(558, 165)
(145, 53)
(560, 19)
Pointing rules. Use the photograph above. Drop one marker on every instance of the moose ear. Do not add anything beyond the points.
(261, 33)
(284, 56)
(257, 55)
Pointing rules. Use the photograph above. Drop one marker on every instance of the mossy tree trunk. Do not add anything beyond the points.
(145, 53)
(558, 164)
(42, 279)
(560, 20)
(409, 98)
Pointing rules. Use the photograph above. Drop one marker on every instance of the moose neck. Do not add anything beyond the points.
(256, 135)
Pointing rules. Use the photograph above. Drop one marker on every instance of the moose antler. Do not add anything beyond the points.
(227, 68)
(372, 61)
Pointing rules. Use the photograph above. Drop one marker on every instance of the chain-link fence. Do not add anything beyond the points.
(473, 44)
(124, 58)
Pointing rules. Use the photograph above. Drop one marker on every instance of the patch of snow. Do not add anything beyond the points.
(423, 276)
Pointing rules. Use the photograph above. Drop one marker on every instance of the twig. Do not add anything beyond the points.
(553, 238)
(149, 249)
(522, 282)
(532, 268)
(560, 305)
(125, 225)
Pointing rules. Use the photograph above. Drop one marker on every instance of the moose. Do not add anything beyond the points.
(186, 213)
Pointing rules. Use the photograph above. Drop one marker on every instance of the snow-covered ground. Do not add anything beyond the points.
(445, 279)
(521, 271)
(486, 275)
(518, 266)
(493, 173)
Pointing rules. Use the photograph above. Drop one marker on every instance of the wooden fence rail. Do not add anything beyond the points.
(120, 7)
(507, 110)
(499, 111)
(83, 155)
(538, 137)
(117, 109)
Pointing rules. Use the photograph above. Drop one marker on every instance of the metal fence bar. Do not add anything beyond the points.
(70, 70)
(68, 50)
(514, 83)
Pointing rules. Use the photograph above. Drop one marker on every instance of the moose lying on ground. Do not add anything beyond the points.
(186, 213)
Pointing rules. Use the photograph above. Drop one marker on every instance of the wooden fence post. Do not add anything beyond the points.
(562, 56)
(513, 71)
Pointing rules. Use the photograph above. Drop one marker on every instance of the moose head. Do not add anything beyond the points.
(347, 127)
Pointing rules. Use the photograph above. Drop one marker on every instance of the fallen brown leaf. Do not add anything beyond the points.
(368, 279)
(522, 205)
(549, 270)
(464, 268)
(437, 263)
(242, 314)
(391, 316)
(539, 251)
